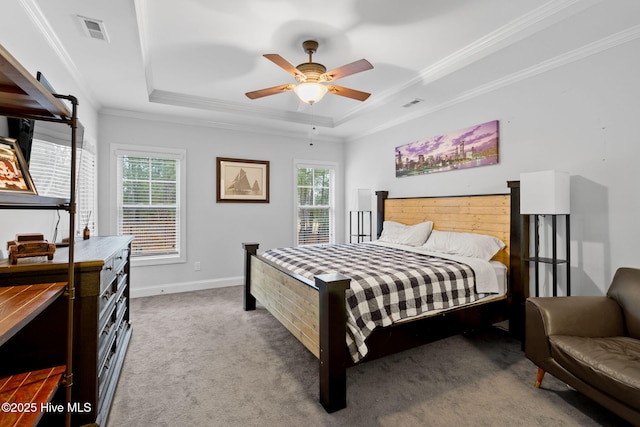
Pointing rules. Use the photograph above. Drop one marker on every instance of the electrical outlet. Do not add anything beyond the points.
(196, 266)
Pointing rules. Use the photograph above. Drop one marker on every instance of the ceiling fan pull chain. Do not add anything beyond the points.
(311, 122)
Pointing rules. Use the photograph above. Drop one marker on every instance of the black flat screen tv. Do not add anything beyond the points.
(22, 131)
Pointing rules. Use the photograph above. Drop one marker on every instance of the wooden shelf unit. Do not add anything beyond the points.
(21, 304)
(23, 96)
(29, 391)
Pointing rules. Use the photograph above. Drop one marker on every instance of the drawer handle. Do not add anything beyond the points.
(109, 268)
(107, 295)
(107, 329)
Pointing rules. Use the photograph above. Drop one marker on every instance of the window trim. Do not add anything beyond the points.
(115, 189)
(316, 164)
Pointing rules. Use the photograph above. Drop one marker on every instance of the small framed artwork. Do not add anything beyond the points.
(14, 172)
(242, 181)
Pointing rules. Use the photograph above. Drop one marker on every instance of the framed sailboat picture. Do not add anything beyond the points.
(14, 171)
(242, 181)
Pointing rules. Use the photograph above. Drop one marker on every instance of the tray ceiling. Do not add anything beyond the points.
(193, 60)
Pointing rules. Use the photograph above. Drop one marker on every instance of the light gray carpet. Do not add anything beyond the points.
(197, 359)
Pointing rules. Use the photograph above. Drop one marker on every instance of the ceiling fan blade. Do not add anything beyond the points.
(270, 91)
(284, 64)
(349, 93)
(347, 70)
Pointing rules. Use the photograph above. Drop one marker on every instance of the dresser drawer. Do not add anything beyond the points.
(107, 274)
(120, 259)
(122, 335)
(122, 284)
(106, 339)
(106, 303)
(104, 375)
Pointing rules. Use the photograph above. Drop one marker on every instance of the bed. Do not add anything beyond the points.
(316, 307)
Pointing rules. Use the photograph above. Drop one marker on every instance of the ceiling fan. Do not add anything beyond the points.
(313, 77)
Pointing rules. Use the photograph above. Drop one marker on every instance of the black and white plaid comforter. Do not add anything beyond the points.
(388, 284)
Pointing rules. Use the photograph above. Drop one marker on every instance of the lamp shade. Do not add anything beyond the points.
(310, 92)
(544, 193)
(363, 200)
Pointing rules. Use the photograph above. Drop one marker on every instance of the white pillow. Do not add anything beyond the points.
(410, 235)
(465, 244)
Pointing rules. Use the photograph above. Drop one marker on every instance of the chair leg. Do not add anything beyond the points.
(539, 377)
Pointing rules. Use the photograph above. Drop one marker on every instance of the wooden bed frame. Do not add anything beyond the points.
(315, 313)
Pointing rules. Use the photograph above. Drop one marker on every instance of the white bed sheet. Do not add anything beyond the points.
(490, 275)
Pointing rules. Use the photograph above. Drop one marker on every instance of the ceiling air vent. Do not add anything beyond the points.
(94, 28)
(412, 103)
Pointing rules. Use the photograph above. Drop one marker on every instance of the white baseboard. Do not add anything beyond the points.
(173, 288)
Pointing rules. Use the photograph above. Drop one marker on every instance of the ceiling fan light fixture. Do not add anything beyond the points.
(311, 76)
(310, 92)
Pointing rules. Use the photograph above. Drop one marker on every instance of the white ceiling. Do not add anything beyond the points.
(193, 60)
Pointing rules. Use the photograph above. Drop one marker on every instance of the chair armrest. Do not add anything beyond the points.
(585, 316)
(582, 316)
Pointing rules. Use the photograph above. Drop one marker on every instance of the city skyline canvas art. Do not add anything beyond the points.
(465, 148)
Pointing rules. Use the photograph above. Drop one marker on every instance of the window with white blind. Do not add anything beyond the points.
(150, 205)
(315, 200)
(50, 167)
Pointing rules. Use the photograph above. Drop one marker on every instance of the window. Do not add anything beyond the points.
(150, 206)
(315, 211)
(86, 190)
(50, 166)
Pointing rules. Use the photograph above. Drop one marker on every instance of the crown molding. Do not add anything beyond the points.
(604, 44)
(42, 24)
(204, 103)
(210, 123)
(510, 33)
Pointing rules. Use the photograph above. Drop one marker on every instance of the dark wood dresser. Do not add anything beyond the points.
(101, 325)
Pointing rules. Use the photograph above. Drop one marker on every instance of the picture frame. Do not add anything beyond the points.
(242, 180)
(14, 171)
(466, 148)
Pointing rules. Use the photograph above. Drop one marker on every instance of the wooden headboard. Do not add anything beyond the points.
(484, 214)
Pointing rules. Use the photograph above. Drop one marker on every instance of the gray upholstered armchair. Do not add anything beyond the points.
(591, 343)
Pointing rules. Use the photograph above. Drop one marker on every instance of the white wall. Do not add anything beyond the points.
(215, 231)
(580, 118)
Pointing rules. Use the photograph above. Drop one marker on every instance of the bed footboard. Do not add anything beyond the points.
(314, 313)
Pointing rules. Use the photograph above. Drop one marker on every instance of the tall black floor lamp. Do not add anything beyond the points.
(362, 232)
(547, 193)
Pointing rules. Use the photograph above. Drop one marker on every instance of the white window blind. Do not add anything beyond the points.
(315, 204)
(86, 191)
(149, 203)
(50, 169)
